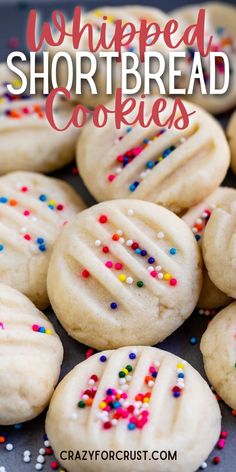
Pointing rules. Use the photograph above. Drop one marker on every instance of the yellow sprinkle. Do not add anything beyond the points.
(180, 365)
(97, 13)
(48, 331)
(16, 83)
(167, 276)
(110, 19)
(146, 400)
(122, 277)
(52, 202)
(125, 371)
(102, 405)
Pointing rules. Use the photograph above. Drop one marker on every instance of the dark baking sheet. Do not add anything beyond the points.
(13, 17)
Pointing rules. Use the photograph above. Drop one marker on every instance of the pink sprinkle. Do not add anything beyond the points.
(221, 444)
(173, 282)
(89, 353)
(13, 42)
(109, 264)
(35, 327)
(118, 266)
(124, 395)
(111, 177)
(24, 189)
(26, 213)
(27, 237)
(153, 273)
(1, 325)
(224, 434)
(26, 110)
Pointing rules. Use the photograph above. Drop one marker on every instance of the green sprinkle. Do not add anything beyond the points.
(129, 368)
(81, 404)
(140, 284)
(121, 374)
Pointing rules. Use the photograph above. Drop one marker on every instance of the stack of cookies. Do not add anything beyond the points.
(122, 275)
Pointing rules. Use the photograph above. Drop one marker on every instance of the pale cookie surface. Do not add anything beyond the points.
(220, 23)
(150, 393)
(31, 356)
(128, 272)
(218, 346)
(174, 168)
(219, 247)
(231, 133)
(27, 140)
(33, 210)
(197, 218)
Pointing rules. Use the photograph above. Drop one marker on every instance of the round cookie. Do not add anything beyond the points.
(33, 210)
(128, 272)
(220, 23)
(28, 143)
(218, 346)
(219, 248)
(197, 218)
(149, 393)
(174, 168)
(231, 133)
(31, 356)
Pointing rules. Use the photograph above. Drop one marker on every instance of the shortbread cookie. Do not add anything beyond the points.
(220, 23)
(197, 218)
(134, 399)
(31, 356)
(231, 132)
(27, 140)
(129, 273)
(170, 167)
(33, 210)
(219, 248)
(218, 346)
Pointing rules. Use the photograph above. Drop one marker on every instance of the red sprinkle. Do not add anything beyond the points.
(89, 353)
(224, 434)
(27, 237)
(48, 451)
(105, 249)
(107, 425)
(103, 219)
(24, 189)
(111, 177)
(173, 282)
(216, 460)
(85, 273)
(60, 207)
(54, 465)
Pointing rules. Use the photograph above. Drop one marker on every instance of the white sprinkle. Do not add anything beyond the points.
(122, 381)
(207, 312)
(130, 212)
(160, 235)
(150, 383)
(137, 404)
(204, 214)
(160, 276)
(26, 458)
(46, 443)
(150, 268)
(27, 453)
(34, 219)
(158, 268)
(41, 459)
(23, 229)
(129, 242)
(119, 232)
(180, 384)
(2, 469)
(129, 280)
(121, 240)
(98, 243)
(9, 447)
(201, 311)
(194, 230)
(38, 466)
(91, 382)
(85, 397)
(118, 170)
(204, 465)
(74, 416)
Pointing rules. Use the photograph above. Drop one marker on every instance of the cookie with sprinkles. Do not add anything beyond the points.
(131, 274)
(231, 133)
(31, 356)
(219, 247)
(173, 168)
(28, 142)
(220, 23)
(218, 347)
(134, 398)
(197, 218)
(33, 211)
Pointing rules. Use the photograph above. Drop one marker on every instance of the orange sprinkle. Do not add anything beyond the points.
(13, 202)
(115, 237)
(2, 439)
(89, 402)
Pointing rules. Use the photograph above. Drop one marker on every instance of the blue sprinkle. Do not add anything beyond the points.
(133, 186)
(181, 375)
(51, 207)
(42, 247)
(43, 198)
(113, 305)
(109, 390)
(151, 260)
(176, 394)
(18, 426)
(1, 247)
(143, 253)
(116, 404)
(3, 199)
(131, 426)
(173, 250)
(42, 329)
(129, 129)
(40, 241)
(103, 358)
(132, 355)
(150, 164)
(197, 237)
(193, 340)
(146, 140)
(154, 374)
(137, 251)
